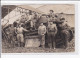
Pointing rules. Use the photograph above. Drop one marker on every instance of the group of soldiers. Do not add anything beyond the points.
(51, 30)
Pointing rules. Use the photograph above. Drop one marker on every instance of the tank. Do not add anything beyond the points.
(63, 36)
(44, 20)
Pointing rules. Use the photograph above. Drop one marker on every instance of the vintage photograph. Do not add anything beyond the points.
(38, 28)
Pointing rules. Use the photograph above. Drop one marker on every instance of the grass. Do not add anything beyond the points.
(70, 48)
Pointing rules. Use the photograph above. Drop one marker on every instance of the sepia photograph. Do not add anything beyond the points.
(38, 28)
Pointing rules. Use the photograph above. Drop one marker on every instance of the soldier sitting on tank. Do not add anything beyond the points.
(58, 22)
(23, 19)
(30, 20)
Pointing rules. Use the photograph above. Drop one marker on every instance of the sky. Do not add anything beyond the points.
(35, 6)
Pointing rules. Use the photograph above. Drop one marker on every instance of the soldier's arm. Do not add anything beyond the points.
(45, 30)
(15, 30)
(38, 30)
(7, 31)
(55, 28)
(25, 30)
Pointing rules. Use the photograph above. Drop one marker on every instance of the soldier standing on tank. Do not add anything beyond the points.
(41, 33)
(52, 15)
(51, 31)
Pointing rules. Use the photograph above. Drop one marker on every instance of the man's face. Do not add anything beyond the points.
(41, 24)
(22, 16)
(51, 11)
(19, 25)
(51, 23)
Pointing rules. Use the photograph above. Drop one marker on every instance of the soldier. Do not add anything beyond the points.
(23, 18)
(20, 37)
(42, 32)
(52, 15)
(34, 20)
(11, 35)
(30, 16)
(51, 31)
(64, 32)
(61, 16)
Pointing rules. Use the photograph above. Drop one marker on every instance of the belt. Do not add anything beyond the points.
(10, 33)
(19, 33)
(51, 31)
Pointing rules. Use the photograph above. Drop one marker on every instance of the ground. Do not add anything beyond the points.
(70, 48)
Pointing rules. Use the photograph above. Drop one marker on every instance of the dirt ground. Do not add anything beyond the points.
(70, 48)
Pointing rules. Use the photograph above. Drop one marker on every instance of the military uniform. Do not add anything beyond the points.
(52, 16)
(51, 31)
(15, 36)
(30, 19)
(11, 36)
(42, 32)
(64, 32)
(20, 36)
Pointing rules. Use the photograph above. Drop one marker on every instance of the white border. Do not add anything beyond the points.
(37, 2)
(46, 54)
